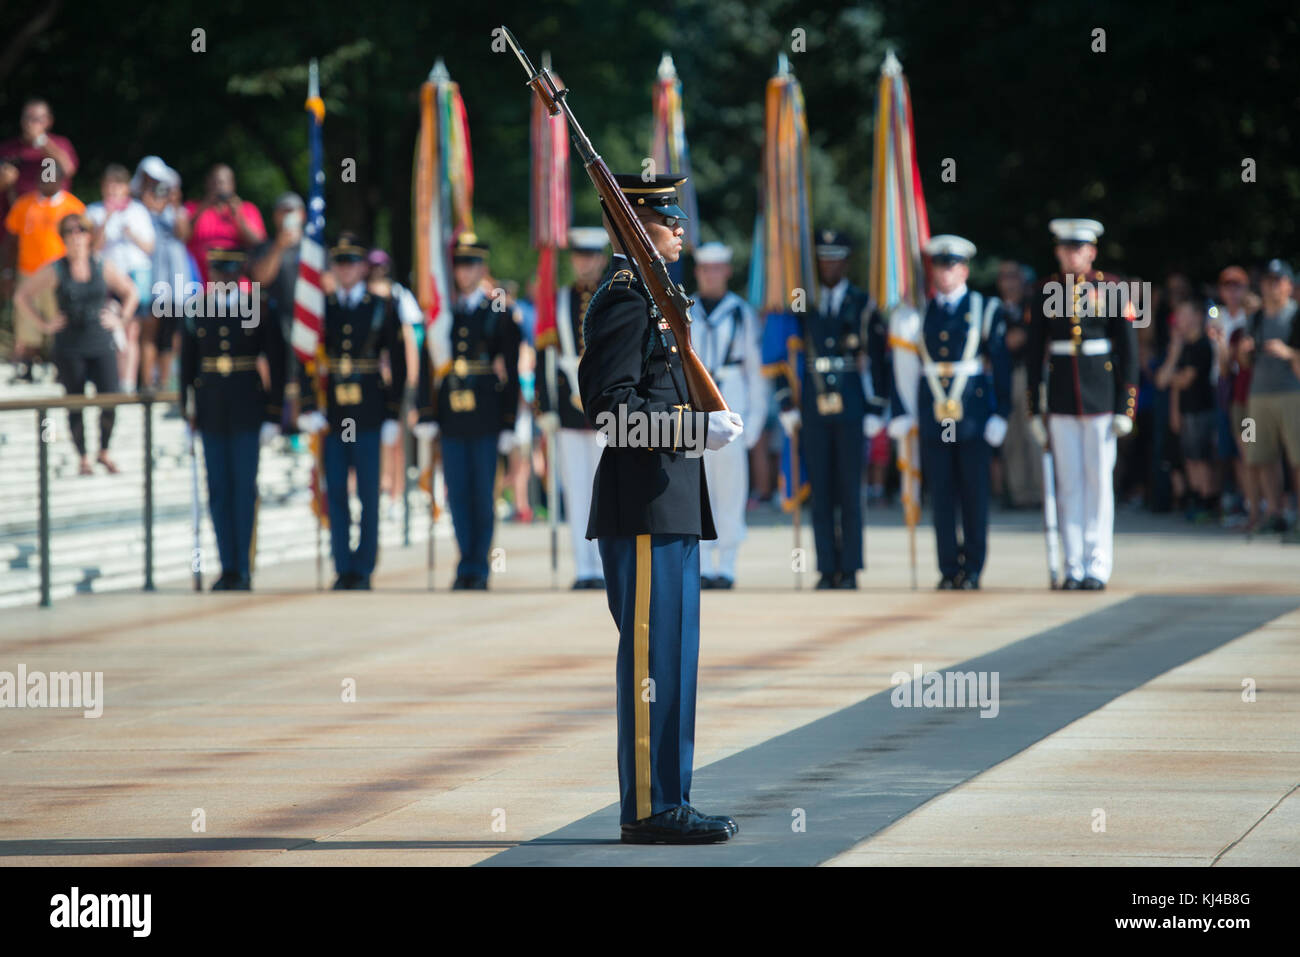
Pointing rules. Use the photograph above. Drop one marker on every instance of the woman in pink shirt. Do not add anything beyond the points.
(221, 220)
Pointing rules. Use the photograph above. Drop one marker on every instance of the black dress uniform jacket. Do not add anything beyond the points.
(569, 410)
(630, 360)
(1078, 383)
(219, 360)
(479, 394)
(354, 337)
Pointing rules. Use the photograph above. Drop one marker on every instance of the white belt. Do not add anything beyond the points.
(1087, 347)
(947, 370)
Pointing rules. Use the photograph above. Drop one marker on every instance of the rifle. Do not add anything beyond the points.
(669, 298)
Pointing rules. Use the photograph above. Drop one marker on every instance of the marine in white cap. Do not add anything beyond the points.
(559, 403)
(724, 333)
(1089, 350)
(944, 387)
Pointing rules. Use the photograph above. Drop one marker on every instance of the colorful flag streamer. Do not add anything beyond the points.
(551, 206)
(899, 230)
(669, 149)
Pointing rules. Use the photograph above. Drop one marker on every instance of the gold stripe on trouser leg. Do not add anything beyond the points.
(641, 672)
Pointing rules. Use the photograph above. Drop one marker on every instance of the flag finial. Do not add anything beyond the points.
(782, 64)
(439, 72)
(891, 66)
(313, 79)
(667, 69)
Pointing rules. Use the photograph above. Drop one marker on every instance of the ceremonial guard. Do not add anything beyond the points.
(473, 406)
(724, 333)
(1089, 348)
(843, 400)
(559, 402)
(232, 408)
(943, 383)
(649, 512)
(361, 409)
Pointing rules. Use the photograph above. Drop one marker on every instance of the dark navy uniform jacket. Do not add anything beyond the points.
(1080, 383)
(478, 394)
(855, 329)
(219, 359)
(570, 411)
(984, 394)
(354, 336)
(630, 362)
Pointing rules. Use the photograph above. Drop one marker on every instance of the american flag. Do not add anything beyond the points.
(308, 296)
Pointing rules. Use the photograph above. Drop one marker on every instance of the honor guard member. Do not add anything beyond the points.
(361, 408)
(1089, 348)
(943, 384)
(724, 333)
(233, 409)
(844, 371)
(650, 509)
(473, 406)
(559, 401)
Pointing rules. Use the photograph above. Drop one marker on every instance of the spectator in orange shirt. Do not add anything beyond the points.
(34, 219)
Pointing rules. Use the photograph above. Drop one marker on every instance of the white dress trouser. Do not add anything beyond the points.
(726, 470)
(579, 455)
(1083, 447)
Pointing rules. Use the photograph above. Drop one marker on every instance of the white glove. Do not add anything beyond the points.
(790, 420)
(312, 422)
(899, 426)
(1121, 425)
(389, 432)
(1038, 430)
(506, 442)
(871, 426)
(426, 431)
(602, 438)
(269, 431)
(724, 428)
(995, 430)
(548, 421)
(191, 433)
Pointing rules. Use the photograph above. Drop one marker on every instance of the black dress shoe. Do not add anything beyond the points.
(946, 583)
(726, 819)
(826, 581)
(1072, 584)
(360, 583)
(477, 583)
(460, 584)
(240, 584)
(1093, 584)
(343, 582)
(723, 583)
(969, 583)
(679, 825)
(708, 581)
(847, 581)
(224, 583)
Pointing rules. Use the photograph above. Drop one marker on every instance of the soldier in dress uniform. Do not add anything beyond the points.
(724, 333)
(943, 383)
(844, 373)
(559, 403)
(233, 409)
(1090, 352)
(649, 512)
(473, 406)
(361, 410)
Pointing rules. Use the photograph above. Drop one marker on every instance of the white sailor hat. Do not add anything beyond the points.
(1075, 230)
(711, 253)
(588, 239)
(948, 248)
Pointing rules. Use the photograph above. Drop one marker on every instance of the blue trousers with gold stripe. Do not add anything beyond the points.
(653, 586)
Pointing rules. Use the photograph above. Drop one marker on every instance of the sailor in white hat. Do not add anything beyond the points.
(943, 386)
(724, 333)
(559, 402)
(1089, 347)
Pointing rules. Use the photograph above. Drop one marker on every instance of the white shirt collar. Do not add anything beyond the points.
(952, 298)
(351, 297)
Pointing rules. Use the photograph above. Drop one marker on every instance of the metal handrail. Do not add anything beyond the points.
(112, 399)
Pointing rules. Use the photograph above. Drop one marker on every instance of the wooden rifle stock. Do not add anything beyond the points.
(669, 298)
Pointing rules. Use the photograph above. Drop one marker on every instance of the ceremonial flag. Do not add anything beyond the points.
(443, 197)
(308, 296)
(783, 283)
(899, 230)
(551, 206)
(668, 144)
